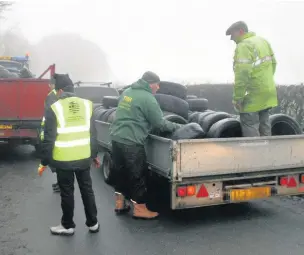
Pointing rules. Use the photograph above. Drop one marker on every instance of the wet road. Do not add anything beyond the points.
(28, 208)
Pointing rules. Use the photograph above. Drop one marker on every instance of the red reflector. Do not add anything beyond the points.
(203, 192)
(302, 178)
(182, 191)
(283, 181)
(292, 182)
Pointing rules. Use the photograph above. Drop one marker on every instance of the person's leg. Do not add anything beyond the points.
(88, 198)
(55, 185)
(66, 185)
(250, 124)
(265, 126)
(119, 178)
(136, 169)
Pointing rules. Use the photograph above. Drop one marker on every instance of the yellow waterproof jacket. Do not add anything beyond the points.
(254, 67)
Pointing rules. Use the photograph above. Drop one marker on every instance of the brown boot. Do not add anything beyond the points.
(140, 211)
(120, 204)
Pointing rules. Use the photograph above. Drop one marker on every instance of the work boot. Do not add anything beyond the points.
(55, 187)
(121, 205)
(95, 228)
(140, 211)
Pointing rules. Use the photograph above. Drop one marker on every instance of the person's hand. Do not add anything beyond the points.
(96, 162)
(237, 106)
(41, 169)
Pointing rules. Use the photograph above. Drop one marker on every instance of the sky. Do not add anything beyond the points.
(181, 40)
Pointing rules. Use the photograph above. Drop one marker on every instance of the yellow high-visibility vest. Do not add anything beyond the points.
(73, 116)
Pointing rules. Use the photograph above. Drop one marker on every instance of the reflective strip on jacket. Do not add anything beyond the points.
(73, 116)
(254, 67)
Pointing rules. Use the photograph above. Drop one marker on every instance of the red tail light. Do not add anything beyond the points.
(203, 192)
(182, 191)
(301, 178)
(290, 182)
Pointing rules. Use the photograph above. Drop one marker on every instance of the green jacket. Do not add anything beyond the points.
(254, 67)
(137, 114)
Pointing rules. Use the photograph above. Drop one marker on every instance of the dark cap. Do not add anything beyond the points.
(61, 81)
(150, 77)
(237, 26)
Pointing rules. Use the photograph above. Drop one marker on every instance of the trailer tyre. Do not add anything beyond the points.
(210, 119)
(198, 104)
(203, 115)
(106, 168)
(225, 128)
(191, 97)
(110, 101)
(282, 124)
(173, 104)
(174, 118)
(189, 131)
(106, 114)
(112, 116)
(173, 89)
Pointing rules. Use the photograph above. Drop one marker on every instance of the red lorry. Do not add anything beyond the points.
(22, 108)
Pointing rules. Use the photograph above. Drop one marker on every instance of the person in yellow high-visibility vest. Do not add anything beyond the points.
(50, 99)
(70, 146)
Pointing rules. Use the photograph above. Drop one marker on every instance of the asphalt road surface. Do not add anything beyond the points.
(28, 208)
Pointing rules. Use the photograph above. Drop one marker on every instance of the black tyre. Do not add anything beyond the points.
(193, 116)
(198, 104)
(191, 97)
(106, 167)
(282, 124)
(202, 116)
(225, 128)
(98, 114)
(95, 106)
(189, 131)
(210, 119)
(173, 89)
(110, 101)
(173, 104)
(106, 114)
(97, 110)
(174, 118)
(111, 117)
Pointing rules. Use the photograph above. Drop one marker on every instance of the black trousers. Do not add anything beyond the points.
(66, 184)
(129, 171)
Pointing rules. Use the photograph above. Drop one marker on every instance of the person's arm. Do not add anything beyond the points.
(243, 61)
(274, 60)
(50, 134)
(154, 115)
(93, 139)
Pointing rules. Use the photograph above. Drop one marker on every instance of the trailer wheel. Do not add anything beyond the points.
(106, 167)
(210, 119)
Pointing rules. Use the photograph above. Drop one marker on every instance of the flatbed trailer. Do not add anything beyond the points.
(207, 172)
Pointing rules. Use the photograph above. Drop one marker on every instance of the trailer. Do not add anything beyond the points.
(207, 172)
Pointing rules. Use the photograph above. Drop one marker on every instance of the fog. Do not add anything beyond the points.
(180, 40)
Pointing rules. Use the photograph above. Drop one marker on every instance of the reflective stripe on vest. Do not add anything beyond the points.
(73, 116)
(258, 61)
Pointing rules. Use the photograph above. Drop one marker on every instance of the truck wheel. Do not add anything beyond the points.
(106, 167)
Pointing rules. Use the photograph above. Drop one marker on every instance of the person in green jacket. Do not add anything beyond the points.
(254, 92)
(137, 114)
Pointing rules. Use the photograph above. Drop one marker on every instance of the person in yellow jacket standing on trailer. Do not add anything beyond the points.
(70, 146)
(50, 99)
(254, 92)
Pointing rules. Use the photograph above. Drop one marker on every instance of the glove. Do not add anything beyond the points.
(96, 162)
(41, 169)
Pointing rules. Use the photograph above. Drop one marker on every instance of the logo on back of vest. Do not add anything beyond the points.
(73, 107)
